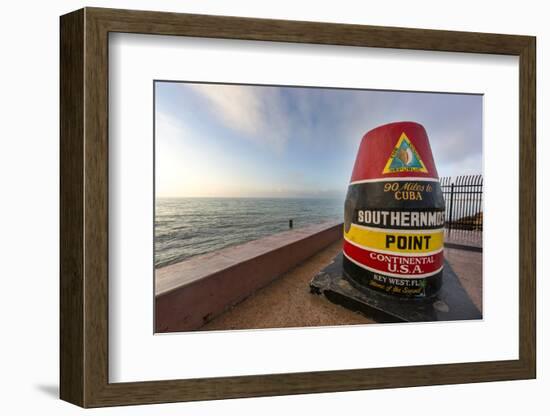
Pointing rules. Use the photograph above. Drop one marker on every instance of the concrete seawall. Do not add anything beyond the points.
(193, 292)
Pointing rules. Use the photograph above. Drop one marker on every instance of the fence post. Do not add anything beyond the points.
(451, 207)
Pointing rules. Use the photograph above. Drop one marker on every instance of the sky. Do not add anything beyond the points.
(219, 140)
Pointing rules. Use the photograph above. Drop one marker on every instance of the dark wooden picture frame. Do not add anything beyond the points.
(84, 207)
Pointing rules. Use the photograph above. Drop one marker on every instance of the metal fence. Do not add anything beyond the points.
(463, 202)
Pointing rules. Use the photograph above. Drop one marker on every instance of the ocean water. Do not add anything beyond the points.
(186, 227)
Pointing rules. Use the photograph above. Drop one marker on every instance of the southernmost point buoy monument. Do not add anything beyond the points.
(394, 214)
(392, 265)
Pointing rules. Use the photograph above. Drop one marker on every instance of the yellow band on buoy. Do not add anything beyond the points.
(398, 241)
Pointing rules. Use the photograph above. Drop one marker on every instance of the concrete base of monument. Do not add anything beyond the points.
(452, 302)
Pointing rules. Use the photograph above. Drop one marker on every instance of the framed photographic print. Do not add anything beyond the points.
(255, 207)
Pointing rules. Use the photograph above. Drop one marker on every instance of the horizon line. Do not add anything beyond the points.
(252, 197)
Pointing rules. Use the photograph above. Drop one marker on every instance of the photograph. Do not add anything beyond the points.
(267, 206)
(297, 206)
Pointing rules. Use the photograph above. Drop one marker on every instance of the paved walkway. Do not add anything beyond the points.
(287, 302)
(464, 237)
(468, 266)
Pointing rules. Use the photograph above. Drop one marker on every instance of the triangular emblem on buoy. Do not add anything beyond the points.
(404, 158)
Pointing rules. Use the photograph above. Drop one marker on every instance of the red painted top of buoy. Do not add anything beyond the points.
(399, 149)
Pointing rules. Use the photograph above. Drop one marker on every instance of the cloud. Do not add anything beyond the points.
(258, 113)
(452, 147)
(261, 140)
